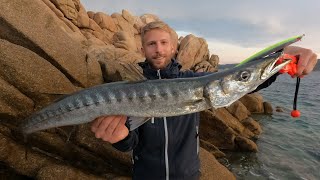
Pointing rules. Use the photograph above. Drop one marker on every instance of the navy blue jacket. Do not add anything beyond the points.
(165, 146)
(169, 145)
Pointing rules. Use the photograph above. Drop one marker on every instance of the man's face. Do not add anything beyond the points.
(157, 48)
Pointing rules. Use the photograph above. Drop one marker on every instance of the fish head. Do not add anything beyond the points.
(239, 81)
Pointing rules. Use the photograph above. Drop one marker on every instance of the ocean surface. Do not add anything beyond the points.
(289, 148)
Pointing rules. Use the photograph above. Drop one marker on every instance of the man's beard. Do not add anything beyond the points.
(164, 59)
(158, 55)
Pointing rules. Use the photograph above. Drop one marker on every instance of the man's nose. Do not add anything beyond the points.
(159, 47)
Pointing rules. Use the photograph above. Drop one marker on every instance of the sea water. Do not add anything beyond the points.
(289, 148)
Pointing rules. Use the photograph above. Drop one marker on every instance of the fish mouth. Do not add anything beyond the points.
(275, 66)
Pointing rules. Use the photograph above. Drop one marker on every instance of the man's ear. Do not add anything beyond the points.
(172, 49)
(142, 50)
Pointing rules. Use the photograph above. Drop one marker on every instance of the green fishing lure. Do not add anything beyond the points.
(271, 49)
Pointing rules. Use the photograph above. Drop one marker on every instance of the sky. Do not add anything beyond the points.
(234, 30)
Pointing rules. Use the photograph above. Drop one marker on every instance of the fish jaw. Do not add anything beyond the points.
(272, 68)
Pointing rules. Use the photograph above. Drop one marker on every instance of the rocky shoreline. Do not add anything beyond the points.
(51, 48)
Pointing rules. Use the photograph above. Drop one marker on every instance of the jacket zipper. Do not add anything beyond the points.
(198, 140)
(166, 139)
(166, 147)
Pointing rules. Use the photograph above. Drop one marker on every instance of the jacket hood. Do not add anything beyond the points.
(171, 71)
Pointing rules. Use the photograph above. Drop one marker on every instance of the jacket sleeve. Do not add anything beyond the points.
(189, 73)
(129, 142)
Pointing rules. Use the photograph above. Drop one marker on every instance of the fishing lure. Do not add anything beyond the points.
(272, 49)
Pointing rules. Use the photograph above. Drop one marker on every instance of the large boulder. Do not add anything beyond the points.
(123, 24)
(123, 40)
(105, 21)
(211, 168)
(222, 129)
(34, 163)
(35, 27)
(13, 103)
(238, 110)
(215, 131)
(32, 75)
(147, 18)
(245, 144)
(192, 50)
(252, 125)
(253, 102)
(267, 108)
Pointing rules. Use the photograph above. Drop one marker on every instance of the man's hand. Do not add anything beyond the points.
(307, 59)
(110, 128)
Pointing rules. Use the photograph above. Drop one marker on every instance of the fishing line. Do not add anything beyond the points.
(295, 112)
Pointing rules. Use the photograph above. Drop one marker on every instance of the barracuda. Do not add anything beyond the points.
(155, 98)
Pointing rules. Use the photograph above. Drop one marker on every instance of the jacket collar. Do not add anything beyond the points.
(171, 71)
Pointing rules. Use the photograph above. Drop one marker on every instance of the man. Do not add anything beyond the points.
(167, 147)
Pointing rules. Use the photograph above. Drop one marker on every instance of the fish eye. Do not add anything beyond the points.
(244, 76)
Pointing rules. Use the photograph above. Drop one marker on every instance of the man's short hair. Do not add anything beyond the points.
(156, 25)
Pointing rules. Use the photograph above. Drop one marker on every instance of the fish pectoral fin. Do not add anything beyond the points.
(135, 122)
(193, 105)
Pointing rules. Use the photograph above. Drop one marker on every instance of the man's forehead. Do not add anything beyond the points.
(156, 35)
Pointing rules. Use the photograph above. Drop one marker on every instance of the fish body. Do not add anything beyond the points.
(155, 98)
